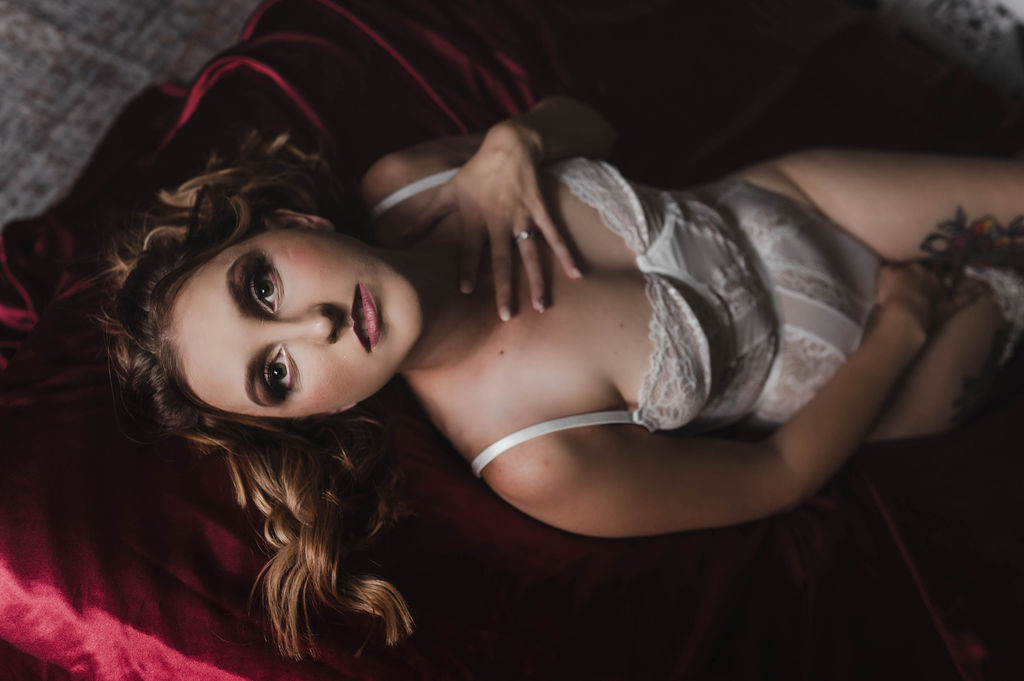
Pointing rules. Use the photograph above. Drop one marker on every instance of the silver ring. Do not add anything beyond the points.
(524, 235)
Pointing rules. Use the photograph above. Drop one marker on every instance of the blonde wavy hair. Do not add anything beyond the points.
(324, 485)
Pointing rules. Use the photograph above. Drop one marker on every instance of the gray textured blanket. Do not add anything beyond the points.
(68, 66)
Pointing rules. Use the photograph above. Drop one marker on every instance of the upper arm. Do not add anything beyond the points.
(400, 168)
(616, 481)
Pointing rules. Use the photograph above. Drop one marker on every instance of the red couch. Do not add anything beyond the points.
(127, 559)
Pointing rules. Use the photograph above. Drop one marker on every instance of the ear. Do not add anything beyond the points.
(282, 218)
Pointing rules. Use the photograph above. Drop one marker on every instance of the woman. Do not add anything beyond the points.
(245, 318)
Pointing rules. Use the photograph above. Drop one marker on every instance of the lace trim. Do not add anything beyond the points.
(818, 287)
(603, 188)
(734, 283)
(671, 397)
(807, 363)
(769, 231)
(677, 382)
(698, 216)
(1008, 290)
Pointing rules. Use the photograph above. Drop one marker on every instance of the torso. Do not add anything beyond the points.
(716, 335)
(512, 381)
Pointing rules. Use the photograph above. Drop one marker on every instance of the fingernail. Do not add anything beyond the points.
(539, 305)
(505, 313)
(466, 286)
(576, 274)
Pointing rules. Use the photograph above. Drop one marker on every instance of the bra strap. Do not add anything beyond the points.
(410, 190)
(597, 418)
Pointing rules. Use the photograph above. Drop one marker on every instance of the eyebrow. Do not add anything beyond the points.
(237, 277)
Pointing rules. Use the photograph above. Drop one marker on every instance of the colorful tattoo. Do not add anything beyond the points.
(981, 242)
(977, 387)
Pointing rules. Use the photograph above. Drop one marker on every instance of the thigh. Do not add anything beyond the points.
(903, 206)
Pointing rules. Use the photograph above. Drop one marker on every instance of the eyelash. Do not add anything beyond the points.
(261, 271)
(278, 387)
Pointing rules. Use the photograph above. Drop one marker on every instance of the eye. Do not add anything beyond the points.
(263, 286)
(277, 375)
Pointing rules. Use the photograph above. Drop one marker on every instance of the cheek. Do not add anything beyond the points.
(321, 271)
(326, 383)
(341, 383)
(311, 262)
(322, 391)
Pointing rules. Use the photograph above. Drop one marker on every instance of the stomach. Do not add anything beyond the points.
(823, 281)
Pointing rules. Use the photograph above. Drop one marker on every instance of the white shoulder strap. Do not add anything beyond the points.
(410, 190)
(597, 418)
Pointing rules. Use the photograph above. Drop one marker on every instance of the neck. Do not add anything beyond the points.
(453, 323)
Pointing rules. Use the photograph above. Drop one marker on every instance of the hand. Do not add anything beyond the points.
(496, 196)
(915, 289)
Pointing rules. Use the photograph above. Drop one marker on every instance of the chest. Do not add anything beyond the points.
(590, 350)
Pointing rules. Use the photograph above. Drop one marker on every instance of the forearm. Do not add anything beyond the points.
(562, 127)
(820, 437)
(555, 128)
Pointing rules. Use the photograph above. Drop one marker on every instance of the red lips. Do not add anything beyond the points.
(366, 318)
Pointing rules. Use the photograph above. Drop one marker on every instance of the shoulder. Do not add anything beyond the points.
(546, 470)
(578, 480)
(532, 471)
(621, 481)
(393, 171)
(388, 175)
(398, 169)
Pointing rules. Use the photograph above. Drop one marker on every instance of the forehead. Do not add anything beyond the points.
(208, 335)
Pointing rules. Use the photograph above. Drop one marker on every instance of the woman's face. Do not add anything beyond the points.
(297, 320)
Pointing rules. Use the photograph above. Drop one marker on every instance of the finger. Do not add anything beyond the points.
(539, 213)
(534, 275)
(501, 266)
(440, 206)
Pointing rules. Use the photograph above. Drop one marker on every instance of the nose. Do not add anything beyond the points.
(319, 324)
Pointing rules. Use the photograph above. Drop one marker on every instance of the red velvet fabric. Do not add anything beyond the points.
(125, 560)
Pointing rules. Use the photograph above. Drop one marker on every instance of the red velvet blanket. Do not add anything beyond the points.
(122, 559)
